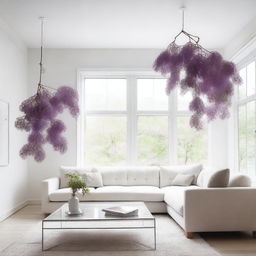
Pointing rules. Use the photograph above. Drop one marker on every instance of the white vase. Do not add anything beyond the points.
(73, 205)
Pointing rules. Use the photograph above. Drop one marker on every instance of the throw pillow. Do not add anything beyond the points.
(168, 173)
(219, 179)
(200, 179)
(240, 180)
(91, 175)
(183, 180)
(93, 178)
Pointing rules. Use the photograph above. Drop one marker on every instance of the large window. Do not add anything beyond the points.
(128, 119)
(247, 120)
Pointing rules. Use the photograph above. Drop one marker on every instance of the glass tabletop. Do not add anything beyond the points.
(93, 211)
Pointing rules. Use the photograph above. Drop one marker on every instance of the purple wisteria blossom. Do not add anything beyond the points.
(40, 112)
(207, 76)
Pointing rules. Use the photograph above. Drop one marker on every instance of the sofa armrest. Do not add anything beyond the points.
(48, 186)
(220, 209)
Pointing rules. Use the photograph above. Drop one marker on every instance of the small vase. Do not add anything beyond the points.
(73, 205)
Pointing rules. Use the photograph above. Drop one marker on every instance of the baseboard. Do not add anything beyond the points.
(34, 202)
(13, 210)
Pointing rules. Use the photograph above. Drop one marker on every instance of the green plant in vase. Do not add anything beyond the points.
(76, 182)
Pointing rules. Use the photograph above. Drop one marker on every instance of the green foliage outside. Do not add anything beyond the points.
(152, 140)
(106, 141)
(247, 138)
(192, 144)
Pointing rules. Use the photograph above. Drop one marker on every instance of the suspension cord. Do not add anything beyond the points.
(183, 17)
(41, 51)
(192, 38)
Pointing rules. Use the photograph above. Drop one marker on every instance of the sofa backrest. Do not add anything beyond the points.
(134, 175)
(130, 176)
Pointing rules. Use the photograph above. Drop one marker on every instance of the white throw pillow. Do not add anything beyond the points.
(240, 180)
(168, 173)
(183, 180)
(200, 179)
(92, 176)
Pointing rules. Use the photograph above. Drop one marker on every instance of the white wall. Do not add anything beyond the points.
(61, 69)
(13, 89)
(240, 40)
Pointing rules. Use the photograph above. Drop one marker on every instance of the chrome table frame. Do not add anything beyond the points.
(61, 223)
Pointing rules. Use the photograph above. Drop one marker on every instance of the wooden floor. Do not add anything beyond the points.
(227, 244)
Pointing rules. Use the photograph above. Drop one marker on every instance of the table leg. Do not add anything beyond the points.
(42, 236)
(154, 234)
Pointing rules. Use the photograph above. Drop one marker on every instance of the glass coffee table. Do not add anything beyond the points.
(94, 218)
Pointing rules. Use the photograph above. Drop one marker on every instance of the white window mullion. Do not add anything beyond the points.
(131, 119)
(172, 124)
(80, 151)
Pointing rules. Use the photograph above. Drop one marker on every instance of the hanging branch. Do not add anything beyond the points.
(208, 77)
(40, 113)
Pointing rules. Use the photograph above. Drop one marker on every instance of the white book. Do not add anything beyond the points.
(124, 211)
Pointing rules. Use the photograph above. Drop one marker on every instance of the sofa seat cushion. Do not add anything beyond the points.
(64, 194)
(113, 193)
(174, 197)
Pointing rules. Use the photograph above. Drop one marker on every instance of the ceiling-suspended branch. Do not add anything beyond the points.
(208, 77)
(40, 115)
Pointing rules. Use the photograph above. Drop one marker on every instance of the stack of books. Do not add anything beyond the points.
(121, 211)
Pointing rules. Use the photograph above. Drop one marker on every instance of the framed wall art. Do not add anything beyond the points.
(4, 133)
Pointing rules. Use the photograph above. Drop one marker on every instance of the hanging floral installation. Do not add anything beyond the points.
(207, 76)
(40, 116)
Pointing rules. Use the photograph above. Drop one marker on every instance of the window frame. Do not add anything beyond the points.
(243, 102)
(131, 112)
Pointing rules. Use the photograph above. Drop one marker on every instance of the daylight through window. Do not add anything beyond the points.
(131, 120)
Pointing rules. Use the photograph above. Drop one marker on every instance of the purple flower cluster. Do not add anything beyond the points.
(40, 120)
(207, 75)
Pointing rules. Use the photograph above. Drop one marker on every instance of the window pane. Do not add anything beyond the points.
(105, 94)
(251, 154)
(151, 94)
(183, 101)
(105, 140)
(242, 87)
(152, 140)
(242, 138)
(192, 144)
(251, 79)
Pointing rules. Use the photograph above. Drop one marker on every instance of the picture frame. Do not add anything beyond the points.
(4, 133)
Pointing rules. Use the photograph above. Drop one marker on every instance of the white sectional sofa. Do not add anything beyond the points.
(194, 208)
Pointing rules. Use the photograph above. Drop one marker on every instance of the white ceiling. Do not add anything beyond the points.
(125, 23)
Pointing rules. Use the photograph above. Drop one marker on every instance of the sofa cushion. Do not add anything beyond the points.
(174, 196)
(168, 173)
(143, 176)
(219, 179)
(212, 177)
(240, 180)
(91, 175)
(114, 176)
(183, 180)
(130, 176)
(64, 194)
(93, 178)
(113, 193)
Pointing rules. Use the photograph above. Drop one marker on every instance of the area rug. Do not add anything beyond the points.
(170, 242)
